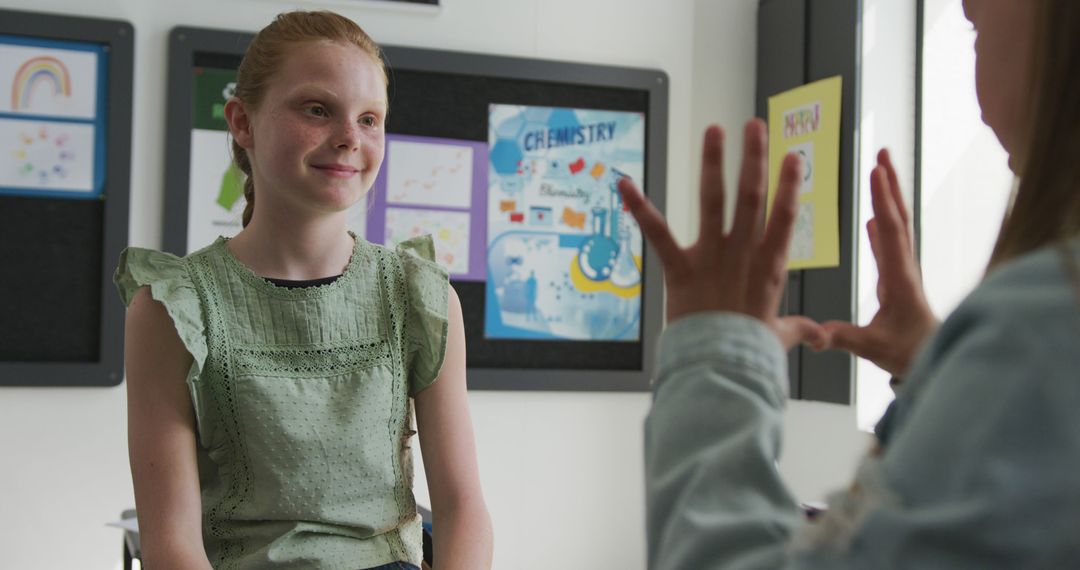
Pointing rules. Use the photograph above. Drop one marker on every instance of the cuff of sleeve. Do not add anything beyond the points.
(739, 341)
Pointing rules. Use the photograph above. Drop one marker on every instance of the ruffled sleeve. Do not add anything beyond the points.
(426, 288)
(170, 284)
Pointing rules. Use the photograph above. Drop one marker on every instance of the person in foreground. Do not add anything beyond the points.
(272, 377)
(978, 465)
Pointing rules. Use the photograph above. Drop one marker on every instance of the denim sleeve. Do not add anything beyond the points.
(714, 497)
(981, 472)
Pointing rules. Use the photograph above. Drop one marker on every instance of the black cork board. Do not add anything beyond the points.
(65, 128)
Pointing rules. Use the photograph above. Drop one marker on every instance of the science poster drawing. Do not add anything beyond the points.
(563, 256)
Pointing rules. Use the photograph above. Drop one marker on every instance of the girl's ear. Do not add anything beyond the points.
(236, 115)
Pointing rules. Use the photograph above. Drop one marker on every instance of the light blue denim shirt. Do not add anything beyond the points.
(981, 467)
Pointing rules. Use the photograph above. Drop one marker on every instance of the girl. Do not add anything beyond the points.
(270, 375)
(979, 461)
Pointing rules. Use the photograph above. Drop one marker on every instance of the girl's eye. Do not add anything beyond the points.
(369, 121)
(317, 110)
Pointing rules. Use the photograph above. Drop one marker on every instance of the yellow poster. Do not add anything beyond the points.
(806, 121)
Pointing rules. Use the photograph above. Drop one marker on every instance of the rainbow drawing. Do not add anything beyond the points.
(41, 69)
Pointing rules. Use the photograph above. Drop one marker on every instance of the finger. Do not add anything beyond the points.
(754, 171)
(652, 225)
(794, 330)
(771, 259)
(872, 237)
(893, 252)
(712, 185)
(785, 208)
(885, 160)
(752, 181)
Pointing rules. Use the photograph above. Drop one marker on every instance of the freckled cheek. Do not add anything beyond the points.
(375, 149)
(290, 137)
(307, 138)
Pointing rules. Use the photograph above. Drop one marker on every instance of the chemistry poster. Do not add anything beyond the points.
(806, 121)
(563, 258)
(51, 119)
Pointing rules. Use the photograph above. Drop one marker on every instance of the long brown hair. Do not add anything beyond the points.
(265, 55)
(1046, 209)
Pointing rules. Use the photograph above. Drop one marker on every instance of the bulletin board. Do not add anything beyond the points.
(511, 165)
(65, 146)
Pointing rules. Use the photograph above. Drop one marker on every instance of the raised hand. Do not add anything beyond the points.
(904, 320)
(741, 271)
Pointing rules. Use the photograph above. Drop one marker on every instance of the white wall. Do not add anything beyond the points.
(562, 472)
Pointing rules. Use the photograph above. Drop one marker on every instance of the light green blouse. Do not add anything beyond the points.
(302, 400)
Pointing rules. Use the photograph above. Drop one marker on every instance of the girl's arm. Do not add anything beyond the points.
(461, 526)
(161, 439)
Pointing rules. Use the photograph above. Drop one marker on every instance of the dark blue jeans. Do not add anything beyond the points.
(396, 566)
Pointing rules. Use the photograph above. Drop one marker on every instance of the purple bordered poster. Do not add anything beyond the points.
(434, 186)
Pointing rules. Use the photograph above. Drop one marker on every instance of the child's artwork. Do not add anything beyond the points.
(563, 258)
(47, 155)
(433, 186)
(429, 174)
(449, 230)
(806, 121)
(46, 81)
(50, 122)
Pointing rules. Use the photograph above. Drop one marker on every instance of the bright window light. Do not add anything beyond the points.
(964, 182)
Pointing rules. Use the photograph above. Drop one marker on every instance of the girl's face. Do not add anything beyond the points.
(1003, 51)
(316, 140)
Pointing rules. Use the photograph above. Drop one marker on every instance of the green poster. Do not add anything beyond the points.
(232, 187)
(213, 87)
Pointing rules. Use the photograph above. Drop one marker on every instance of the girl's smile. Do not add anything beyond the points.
(336, 170)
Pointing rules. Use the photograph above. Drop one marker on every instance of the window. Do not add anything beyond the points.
(963, 178)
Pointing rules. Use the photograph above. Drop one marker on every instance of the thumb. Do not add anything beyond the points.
(848, 337)
(795, 330)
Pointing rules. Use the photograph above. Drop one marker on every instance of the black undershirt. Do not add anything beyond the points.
(291, 284)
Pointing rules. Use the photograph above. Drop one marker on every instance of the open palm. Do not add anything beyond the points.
(740, 271)
(904, 320)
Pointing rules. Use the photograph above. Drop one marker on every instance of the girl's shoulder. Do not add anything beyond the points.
(420, 248)
(169, 282)
(1043, 285)
(1024, 315)
(426, 279)
(417, 259)
(161, 270)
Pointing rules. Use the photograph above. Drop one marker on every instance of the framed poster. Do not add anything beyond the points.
(563, 259)
(65, 144)
(510, 164)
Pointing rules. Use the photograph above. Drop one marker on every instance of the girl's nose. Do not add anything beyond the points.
(348, 136)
